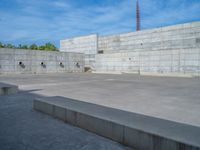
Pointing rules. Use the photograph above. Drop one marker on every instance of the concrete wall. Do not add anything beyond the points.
(84, 44)
(173, 49)
(31, 61)
(180, 61)
(183, 36)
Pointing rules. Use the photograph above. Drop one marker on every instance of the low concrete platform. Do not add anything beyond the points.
(138, 131)
(22, 128)
(169, 98)
(165, 98)
(7, 89)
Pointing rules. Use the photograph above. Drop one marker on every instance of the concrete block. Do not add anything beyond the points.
(71, 117)
(43, 107)
(60, 113)
(7, 89)
(135, 130)
(137, 139)
(101, 127)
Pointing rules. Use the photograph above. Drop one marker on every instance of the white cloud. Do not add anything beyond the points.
(49, 20)
(61, 4)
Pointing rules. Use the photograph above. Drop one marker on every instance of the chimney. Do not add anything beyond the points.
(137, 16)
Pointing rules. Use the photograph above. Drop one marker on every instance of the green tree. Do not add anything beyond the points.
(9, 46)
(50, 47)
(42, 47)
(1, 45)
(33, 47)
(24, 47)
(20, 46)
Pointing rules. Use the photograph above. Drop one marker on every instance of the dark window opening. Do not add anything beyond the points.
(100, 52)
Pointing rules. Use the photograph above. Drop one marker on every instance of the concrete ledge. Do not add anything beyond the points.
(168, 74)
(138, 131)
(7, 89)
(107, 72)
(181, 75)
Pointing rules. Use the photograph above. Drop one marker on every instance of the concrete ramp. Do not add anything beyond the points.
(7, 89)
(135, 130)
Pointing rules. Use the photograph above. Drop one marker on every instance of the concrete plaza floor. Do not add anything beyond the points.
(175, 99)
(22, 128)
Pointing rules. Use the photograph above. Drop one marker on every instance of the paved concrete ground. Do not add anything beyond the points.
(176, 99)
(22, 128)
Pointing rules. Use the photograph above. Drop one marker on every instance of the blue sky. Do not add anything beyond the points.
(40, 21)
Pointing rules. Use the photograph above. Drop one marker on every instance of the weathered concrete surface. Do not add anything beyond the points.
(139, 131)
(166, 50)
(35, 61)
(182, 36)
(7, 89)
(175, 99)
(84, 44)
(22, 128)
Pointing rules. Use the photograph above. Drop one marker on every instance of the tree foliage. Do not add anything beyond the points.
(9, 46)
(1, 45)
(33, 47)
(25, 47)
(48, 46)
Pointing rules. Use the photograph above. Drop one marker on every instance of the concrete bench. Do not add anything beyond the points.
(7, 89)
(135, 130)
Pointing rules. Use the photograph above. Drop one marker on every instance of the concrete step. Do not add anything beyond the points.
(7, 89)
(135, 130)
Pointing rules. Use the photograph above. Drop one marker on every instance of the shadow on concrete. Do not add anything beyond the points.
(30, 91)
(21, 127)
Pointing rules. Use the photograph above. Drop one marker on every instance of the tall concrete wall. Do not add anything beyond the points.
(173, 49)
(174, 61)
(31, 61)
(84, 44)
(183, 36)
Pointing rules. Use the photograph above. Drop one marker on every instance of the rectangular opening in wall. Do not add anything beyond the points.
(87, 69)
(100, 52)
